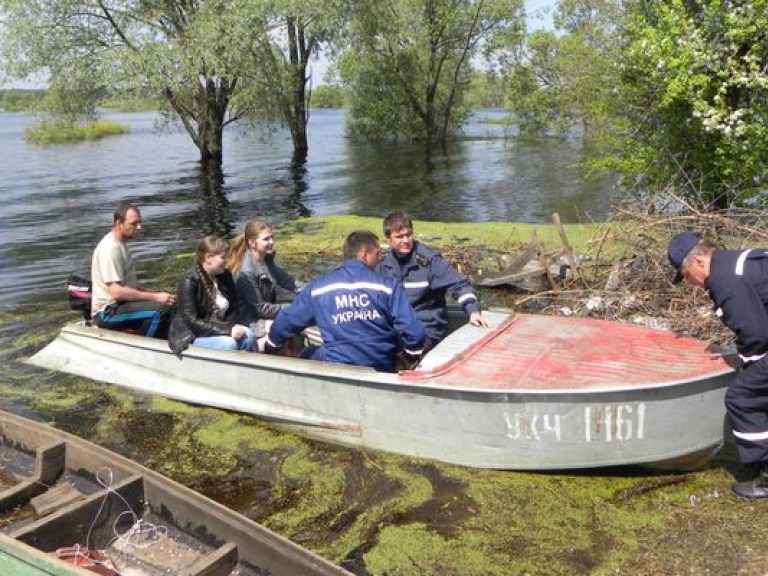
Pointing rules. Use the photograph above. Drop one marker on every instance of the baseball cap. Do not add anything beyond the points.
(678, 248)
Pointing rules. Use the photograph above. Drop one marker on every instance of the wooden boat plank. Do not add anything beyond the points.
(49, 464)
(55, 498)
(511, 270)
(221, 562)
(65, 526)
(532, 269)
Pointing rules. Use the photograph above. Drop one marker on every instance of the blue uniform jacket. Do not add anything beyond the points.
(363, 317)
(426, 277)
(738, 285)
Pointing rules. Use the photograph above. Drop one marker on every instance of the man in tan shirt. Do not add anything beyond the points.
(119, 301)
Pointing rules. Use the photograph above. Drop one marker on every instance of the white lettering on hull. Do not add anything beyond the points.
(612, 423)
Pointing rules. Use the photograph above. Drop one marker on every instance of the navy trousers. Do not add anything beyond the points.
(142, 317)
(747, 403)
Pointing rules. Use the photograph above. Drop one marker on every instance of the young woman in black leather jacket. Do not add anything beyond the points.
(207, 304)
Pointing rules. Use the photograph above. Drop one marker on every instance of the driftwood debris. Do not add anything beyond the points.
(534, 270)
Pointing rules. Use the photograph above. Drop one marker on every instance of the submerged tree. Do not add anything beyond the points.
(275, 42)
(148, 45)
(407, 63)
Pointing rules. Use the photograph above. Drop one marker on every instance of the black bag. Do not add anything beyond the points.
(79, 291)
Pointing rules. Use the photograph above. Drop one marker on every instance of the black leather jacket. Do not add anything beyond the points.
(194, 310)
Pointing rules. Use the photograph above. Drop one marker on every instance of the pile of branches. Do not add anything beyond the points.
(636, 285)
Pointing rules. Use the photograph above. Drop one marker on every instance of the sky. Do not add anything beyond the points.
(539, 13)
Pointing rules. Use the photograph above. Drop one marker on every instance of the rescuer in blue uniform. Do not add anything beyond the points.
(426, 277)
(363, 317)
(737, 282)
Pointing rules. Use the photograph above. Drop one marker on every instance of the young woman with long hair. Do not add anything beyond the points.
(208, 307)
(262, 285)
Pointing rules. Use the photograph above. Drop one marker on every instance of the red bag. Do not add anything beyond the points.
(88, 559)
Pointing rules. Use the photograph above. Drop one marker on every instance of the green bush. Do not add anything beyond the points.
(327, 96)
(57, 131)
(14, 100)
(130, 105)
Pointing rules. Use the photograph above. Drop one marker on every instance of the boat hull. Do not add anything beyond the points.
(85, 495)
(663, 424)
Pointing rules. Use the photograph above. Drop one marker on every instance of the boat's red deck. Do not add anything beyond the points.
(547, 352)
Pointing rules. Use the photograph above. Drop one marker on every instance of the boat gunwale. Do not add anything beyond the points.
(408, 380)
(44, 562)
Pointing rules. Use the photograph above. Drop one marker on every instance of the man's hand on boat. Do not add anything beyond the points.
(238, 332)
(727, 352)
(477, 319)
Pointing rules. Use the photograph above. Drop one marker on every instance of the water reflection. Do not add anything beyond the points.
(215, 217)
(299, 174)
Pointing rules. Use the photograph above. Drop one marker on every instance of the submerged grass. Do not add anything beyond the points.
(325, 234)
(56, 131)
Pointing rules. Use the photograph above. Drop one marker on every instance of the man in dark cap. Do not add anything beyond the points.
(737, 282)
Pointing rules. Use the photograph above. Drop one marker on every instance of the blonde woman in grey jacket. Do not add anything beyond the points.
(263, 287)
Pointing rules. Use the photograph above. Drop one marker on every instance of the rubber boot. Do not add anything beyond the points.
(754, 489)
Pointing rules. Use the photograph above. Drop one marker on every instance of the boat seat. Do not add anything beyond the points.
(458, 341)
(60, 528)
(220, 562)
(49, 465)
(55, 498)
(189, 561)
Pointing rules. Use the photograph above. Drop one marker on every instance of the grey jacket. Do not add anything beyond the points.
(263, 288)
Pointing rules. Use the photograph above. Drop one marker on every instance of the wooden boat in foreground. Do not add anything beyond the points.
(61, 493)
(533, 392)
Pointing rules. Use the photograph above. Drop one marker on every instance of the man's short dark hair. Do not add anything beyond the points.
(395, 222)
(121, 212)
(357, 240)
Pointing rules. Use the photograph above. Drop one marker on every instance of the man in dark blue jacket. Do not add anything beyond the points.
(363, 317)
(426, 277)
(737, 282)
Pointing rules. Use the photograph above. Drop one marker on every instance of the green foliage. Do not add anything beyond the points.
(269, 46)
(130, 104)
(62, 131)
(565, 82)
(72, 101)
(20, 100)
(407, 63)
(696, 97)
(327, 96)
(486, 90)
